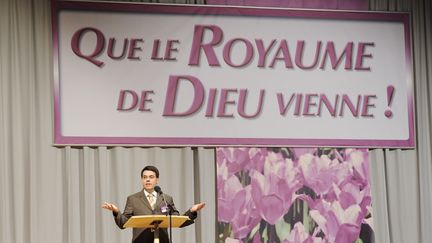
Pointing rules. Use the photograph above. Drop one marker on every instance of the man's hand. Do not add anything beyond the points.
(110, 207)
(197, 207)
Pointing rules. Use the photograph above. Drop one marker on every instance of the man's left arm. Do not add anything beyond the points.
(192, 213)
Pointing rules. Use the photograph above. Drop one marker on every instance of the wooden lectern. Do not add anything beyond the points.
(155, 222)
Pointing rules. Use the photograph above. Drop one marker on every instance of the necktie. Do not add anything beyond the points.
(151, 200)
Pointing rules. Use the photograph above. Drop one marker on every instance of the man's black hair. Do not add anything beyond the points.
(150, 168)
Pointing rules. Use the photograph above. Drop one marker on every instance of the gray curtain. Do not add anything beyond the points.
(402, 179)
(50, 194)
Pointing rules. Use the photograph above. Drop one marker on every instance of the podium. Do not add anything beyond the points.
(155, 222)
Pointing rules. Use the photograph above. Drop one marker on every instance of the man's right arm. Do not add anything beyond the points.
(122, 218)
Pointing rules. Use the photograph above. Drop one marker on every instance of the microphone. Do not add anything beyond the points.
(158, 190)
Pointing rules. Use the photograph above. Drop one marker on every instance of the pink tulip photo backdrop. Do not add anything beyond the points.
(293, 195)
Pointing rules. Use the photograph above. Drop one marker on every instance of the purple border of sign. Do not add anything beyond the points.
(59, 139)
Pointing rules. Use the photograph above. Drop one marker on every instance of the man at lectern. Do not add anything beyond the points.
(147, 202)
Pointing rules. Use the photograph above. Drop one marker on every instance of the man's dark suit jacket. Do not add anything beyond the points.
(137, 204)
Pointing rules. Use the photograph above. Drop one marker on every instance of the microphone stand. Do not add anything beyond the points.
(170, 222)
(170, 209)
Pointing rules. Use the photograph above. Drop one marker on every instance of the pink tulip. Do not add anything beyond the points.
(299, 235)
(298, 152)
(359, 163)
(319, 174)
(231, 199)
(245, 218)
(236, 159)
(338, 225)
(351, 194)
(235, 206)
(257, 159)
(274, 191)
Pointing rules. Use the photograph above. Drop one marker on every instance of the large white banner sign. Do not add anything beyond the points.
(199, 75)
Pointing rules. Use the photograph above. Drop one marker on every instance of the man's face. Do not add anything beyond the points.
(149, 180)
